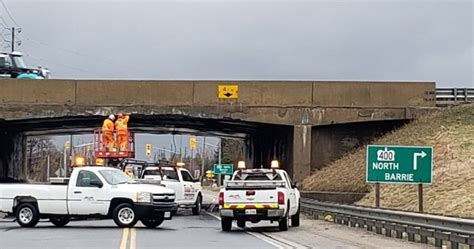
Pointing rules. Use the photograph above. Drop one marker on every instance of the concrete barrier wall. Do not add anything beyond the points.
(204, 93)
(125, 93)
(60, 92)
(256, 93)
(373, 94)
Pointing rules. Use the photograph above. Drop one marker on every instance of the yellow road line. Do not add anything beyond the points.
(123, 243)
(133, 238)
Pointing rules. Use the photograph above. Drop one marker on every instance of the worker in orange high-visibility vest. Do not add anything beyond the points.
(108, 133)
(121, 126)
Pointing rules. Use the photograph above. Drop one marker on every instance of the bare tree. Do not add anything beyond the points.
(38, 151)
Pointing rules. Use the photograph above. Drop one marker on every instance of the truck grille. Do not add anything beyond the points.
(163, 197)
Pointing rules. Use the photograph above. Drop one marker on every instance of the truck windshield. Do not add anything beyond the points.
(114, 177)
(169, 174)
(18, 62)
(258, 177)
(152, 172)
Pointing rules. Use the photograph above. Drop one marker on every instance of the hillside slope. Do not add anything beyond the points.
(450, 132)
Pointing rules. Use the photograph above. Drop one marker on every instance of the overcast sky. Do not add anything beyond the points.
(337, 40)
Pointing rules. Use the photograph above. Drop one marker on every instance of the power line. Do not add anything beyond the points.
(4, 23)
(84, 70)
(73, 52)
(8, 13)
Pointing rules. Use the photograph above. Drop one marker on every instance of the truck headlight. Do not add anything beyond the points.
(144, 197)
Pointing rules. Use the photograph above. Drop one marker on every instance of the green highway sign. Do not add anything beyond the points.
(399, 164)
(223, 169)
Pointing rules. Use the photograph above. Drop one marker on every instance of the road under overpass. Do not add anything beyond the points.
(305, 124)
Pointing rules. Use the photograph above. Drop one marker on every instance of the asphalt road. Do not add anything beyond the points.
(184, 231)
(188, 231)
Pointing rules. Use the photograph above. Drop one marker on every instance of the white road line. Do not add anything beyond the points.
(123, 243)
(133, 238)
(270, 239)
(285, 241)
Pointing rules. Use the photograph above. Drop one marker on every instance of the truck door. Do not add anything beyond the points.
(87, 195)
(291, 191)
(189, 185)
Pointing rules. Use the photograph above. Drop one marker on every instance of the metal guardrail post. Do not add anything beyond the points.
(455, 93)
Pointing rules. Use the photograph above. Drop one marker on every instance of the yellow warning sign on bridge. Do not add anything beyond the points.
(228, 91)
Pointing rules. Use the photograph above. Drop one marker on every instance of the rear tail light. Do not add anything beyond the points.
(221, 198)
(250, 192)
(281, 198)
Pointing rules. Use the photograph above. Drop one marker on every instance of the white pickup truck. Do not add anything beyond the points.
(97, 192)
(188, 190)
(259, 194)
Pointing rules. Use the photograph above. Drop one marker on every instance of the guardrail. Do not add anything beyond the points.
(450, 96)
(441, 228)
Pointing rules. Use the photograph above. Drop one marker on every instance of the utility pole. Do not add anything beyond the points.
(219, 177)
(13, 39)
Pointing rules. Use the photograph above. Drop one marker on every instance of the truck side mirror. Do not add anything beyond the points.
(296, 185)
(96, 183)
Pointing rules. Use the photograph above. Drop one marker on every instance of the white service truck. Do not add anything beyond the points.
(188, 190)
(90, 192)
(259, 194)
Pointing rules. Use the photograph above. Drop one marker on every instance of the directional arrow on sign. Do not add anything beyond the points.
(228, 94)
(421, 154)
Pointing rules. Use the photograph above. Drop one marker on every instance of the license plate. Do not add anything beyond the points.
(167, 214)
(250, 211)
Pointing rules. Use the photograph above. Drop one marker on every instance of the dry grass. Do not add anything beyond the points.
(450, 132)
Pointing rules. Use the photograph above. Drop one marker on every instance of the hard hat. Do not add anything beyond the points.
(111, 116)
(120, 115)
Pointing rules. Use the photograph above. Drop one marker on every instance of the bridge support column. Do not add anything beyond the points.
(301, 152)
(12, 167)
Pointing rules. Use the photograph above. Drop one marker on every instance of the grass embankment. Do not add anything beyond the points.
(451, 133)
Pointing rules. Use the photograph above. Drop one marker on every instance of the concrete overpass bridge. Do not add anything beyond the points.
(305, 124)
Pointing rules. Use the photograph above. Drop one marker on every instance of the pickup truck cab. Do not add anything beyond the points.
(188, 190)
(91, 192)
(259, 194)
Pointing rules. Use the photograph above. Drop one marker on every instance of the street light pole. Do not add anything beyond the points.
(202, 157)
(219, 162)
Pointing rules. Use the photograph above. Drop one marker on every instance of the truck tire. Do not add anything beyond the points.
(283, 224)
(59, 221)
(226, 224)
(152, 222)
(197, 206)
(241, 223)
(27, 215)
(124, 215)
(295, 219)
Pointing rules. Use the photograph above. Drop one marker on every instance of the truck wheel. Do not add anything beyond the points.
(124, 215)
(241, 223)
(152, 222)
(283, 224)
(295, 219)
(59, 221)
(27, 215)
(226, 224)
(197, 206)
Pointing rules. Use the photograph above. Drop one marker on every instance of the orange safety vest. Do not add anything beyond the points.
(122, 125)
(108, 126)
